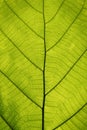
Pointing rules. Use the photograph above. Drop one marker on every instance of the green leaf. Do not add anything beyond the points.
(43, 65)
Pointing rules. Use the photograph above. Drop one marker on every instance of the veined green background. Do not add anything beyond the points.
(43, 64)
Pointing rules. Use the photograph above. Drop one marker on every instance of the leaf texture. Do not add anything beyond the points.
(43, 65)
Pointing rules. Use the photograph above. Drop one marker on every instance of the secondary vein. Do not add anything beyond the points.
(78, 14)
(33, 7)
(15, 85)
(67, 72)
(20, 50)
(71, 116)
(22, 20)
(6, 122)
(56, 12)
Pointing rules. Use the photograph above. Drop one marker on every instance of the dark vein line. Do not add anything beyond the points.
(33, 7)
(22, 20)
(67, 28)
(20, 50)
(44, 67)
(70, 117)
(8, 124)
(20, 89)
(56, 12)
(66, 73)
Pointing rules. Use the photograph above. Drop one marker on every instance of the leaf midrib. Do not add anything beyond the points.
(44, 68)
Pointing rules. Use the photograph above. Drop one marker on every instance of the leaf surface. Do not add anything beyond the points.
(43, 65)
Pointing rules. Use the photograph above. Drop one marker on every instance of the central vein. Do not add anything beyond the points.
(44, 66)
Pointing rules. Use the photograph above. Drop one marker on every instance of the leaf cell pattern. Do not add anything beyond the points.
(43, 65)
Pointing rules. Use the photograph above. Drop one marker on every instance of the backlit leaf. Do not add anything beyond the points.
(43, 64)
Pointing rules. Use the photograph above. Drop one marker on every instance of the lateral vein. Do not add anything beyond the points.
(6, 122)
(22, 20)
(33, 7)
(67, 28)
(20, 89)
(66, 73)
(20, 50)
(70, 117)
